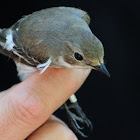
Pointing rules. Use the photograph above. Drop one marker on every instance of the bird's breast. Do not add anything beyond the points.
(24, 71)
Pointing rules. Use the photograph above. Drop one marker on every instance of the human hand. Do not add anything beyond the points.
(26, 109)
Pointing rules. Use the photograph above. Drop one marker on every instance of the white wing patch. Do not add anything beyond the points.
(9, 42)
(20, 56)
(44, 66)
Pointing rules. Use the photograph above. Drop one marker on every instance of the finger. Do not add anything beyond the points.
(29, 104)
(53, 129)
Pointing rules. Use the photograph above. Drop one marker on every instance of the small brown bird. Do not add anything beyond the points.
(54, 37)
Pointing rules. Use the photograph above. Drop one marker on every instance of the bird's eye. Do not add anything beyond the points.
(78, 56)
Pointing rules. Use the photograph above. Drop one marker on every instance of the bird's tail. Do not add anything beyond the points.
(3, 34)
(3, 42)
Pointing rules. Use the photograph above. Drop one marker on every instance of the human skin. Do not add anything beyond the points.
(26, 108)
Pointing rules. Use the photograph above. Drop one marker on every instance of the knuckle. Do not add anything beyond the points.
(29, 110)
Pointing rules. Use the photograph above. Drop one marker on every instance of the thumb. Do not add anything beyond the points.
(26, 106)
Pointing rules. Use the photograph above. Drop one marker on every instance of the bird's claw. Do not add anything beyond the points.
(78, 119)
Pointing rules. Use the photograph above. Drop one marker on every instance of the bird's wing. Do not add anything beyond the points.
(8, 46)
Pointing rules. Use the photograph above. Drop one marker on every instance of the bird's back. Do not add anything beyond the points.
(51, 27)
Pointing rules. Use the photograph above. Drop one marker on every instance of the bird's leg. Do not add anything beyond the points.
(77, 119)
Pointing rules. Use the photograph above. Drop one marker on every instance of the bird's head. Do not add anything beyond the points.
(85, 51)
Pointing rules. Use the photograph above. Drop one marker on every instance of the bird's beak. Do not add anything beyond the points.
(102, 69)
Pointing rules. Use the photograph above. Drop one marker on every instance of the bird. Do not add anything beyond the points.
(57, 37)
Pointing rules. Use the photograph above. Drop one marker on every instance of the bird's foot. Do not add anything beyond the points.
(78, 119)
